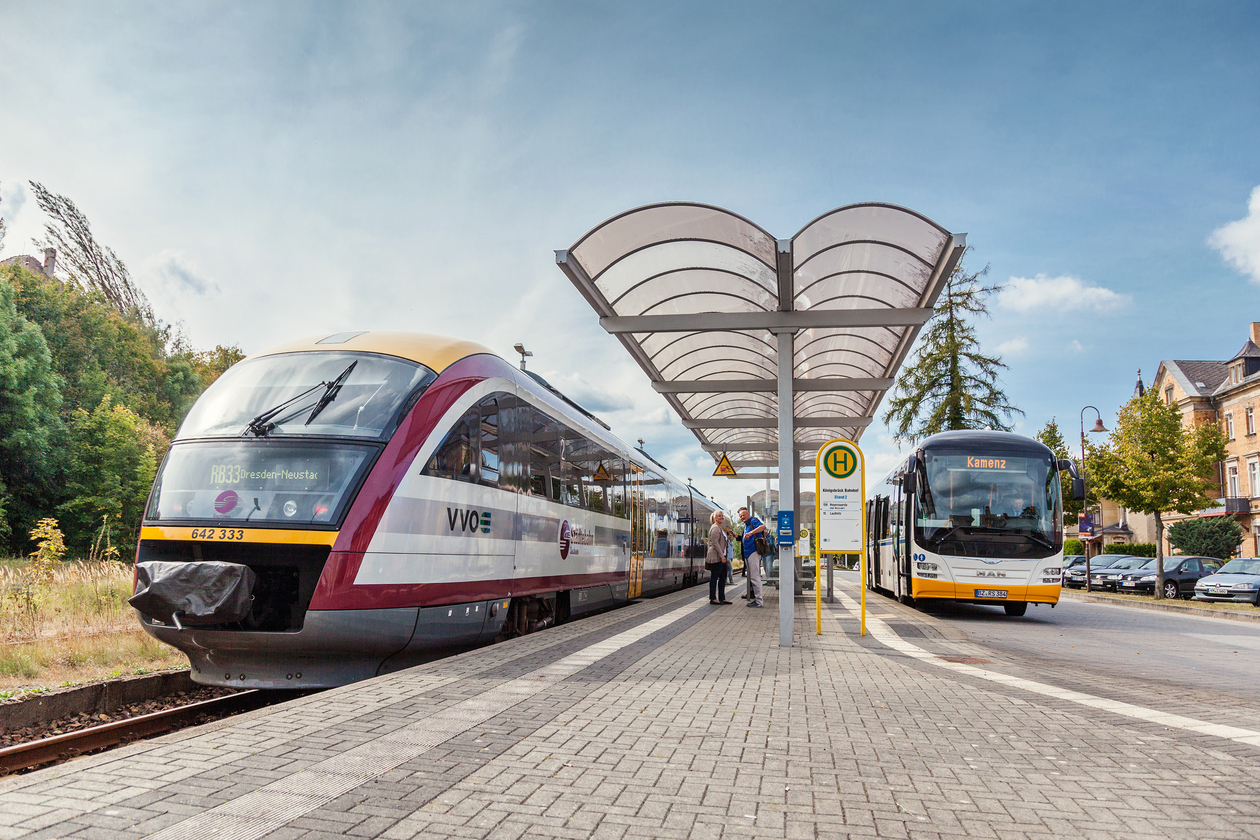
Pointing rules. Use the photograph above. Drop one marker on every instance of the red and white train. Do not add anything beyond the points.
(371, 498)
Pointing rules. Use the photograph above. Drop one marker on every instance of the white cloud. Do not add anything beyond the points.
(1014, 347)
(591, 397)
(1057, 294)
(1239, 242)
(1076, 347)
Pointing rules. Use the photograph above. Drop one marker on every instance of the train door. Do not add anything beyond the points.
(636, 479)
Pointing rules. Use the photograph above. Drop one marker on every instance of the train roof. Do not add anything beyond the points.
(436, 352)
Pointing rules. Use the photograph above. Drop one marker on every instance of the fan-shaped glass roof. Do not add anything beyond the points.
(696, 293)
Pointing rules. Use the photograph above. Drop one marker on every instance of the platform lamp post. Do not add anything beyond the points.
(520, 348)
(1098, 427)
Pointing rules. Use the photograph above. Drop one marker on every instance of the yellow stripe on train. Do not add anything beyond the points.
(241, 535)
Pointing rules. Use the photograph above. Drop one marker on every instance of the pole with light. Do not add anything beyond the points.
(1098, 427)
(520, 348)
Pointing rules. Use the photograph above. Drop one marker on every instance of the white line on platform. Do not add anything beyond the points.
(885, 635)
(279, 803)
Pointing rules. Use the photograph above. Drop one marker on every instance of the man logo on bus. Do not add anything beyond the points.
(840, 462)
(565, 540)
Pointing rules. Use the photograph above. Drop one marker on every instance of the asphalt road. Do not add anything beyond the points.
(1200, 654)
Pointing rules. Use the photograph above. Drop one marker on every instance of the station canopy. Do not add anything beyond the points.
(697, 295)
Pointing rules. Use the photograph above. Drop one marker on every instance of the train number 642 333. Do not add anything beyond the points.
(217, 534)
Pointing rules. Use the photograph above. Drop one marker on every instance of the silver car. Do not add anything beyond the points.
(1237, 580)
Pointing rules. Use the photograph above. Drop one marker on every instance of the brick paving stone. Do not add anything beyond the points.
(838, 736)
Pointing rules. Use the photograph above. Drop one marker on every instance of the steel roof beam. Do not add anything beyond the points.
(722, 386)
(773, 423)
(759, 447)
(800, 320)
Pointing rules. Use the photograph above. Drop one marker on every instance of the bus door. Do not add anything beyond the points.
(639, 546)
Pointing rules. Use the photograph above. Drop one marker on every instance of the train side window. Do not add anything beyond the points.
(544, 458)
(489, 422)
(456, 458)
(617, 490)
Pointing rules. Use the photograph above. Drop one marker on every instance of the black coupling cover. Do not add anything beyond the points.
(200, 592)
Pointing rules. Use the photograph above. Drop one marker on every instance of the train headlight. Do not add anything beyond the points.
(290, 508)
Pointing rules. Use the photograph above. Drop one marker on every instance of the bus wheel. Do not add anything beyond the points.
(1016, 609)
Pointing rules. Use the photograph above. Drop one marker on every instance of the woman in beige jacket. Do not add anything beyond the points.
(715, 559)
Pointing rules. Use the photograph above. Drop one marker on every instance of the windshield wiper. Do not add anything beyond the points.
(331, 393)
(260, 426)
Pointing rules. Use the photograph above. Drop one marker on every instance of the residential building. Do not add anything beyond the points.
(1225, 392)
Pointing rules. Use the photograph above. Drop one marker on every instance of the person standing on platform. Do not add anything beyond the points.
(730, 551)
(753, 527)
(715, 559)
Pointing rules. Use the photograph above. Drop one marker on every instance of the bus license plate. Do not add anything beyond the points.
(990, 593)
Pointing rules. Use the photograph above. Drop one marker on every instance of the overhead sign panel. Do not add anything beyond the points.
(840, 494)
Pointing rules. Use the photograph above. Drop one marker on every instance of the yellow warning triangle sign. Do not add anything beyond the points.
(602, 474)
(724, 466)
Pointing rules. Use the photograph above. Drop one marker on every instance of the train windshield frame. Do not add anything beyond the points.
(258, 483)
(987, 503)
(367, 403)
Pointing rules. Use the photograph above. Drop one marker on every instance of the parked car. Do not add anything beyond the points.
(1107, 579)
(1180, 576)
(1237, 580)
(1074, 576)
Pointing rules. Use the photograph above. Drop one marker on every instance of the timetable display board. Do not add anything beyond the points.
(840, 494)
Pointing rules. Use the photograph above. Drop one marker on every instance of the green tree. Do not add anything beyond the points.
(1216, 537)
(29, 423)
(950, 384)
(1153, 464)
(113, 457)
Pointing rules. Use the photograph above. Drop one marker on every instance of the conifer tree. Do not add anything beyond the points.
(950, 384)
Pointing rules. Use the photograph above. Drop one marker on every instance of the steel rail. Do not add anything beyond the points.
(71, 744)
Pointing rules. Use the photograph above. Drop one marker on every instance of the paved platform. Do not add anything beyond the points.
(674, 718)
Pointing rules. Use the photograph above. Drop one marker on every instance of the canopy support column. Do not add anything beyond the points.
(787, 488)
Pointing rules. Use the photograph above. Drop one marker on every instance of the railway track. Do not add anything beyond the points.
(71, 744)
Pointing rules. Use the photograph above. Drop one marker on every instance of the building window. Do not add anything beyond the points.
(1229, 426)
(1251, 420)
(1233, 481)
(1253, 478)
(1168, 395)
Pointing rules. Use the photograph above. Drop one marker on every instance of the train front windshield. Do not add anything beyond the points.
(988, 504)
(334, 393)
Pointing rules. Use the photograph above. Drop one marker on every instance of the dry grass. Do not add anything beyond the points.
(75, 627)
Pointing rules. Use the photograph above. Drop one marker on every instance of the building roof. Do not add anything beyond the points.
(1198, 378)
(1249, 350)
(26, 261)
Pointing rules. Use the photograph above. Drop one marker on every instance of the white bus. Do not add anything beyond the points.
(969, 516)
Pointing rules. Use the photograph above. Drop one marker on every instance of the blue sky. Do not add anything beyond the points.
(274, 170)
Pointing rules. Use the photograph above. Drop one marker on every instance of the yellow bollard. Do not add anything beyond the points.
(862, 583)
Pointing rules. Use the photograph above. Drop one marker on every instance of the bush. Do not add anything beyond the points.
(1073, 546)
(1217, 536)
(1136, 549)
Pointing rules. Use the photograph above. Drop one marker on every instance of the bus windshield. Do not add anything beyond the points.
(988, 504)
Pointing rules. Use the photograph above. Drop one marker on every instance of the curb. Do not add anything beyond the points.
(1232, 615)
(94, 698)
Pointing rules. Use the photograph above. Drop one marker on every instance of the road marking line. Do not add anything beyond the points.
(885, 635)
(279, 803)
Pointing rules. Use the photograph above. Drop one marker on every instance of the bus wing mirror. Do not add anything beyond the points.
(1069, 465)
(1078, 489)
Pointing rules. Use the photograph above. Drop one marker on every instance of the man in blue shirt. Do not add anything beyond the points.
(752, 560)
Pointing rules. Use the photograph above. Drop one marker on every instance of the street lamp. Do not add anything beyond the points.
(1098, 427)
(520, 348)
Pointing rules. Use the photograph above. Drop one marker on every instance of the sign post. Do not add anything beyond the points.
(840, 500)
